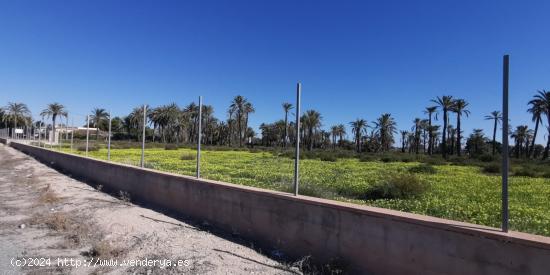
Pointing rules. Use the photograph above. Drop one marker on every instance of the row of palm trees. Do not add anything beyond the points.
(170, 123)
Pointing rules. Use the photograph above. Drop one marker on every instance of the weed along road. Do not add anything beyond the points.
(53, 224)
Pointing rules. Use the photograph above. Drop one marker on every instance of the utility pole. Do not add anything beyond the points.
(297, 152)
(109, 139)
(505, 160)
(142, 163)
(199, 139)
(87, 133)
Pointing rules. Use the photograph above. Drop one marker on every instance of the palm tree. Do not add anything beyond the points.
(459, 107)
(520, 136)
(385, 127)
(238, 106)
(537, 110)
(230, 112)
(544, 98)
(16, 111)
(192, 114)
(445, 103)
(286, 108)
(98, 116)
(433, 132)
(341, 132)
(135, 120)
(248, 109)
(334, 134)
(496, 117)
(417, 126)
(430, 111)
(358, 127)
(404, 135)
(4, 118)
(312, 123)
(208, 119)
(53, 110)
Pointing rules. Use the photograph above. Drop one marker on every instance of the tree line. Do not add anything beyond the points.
(174, 124)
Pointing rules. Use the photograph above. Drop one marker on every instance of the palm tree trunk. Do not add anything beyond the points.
(495, 136)
(286, 128)
(430, 134)
(444, 138)
(14, 135)
(310, 138)
(545, 155)
(53, 127)
(458, 138)
(240, 130)
(518, 148)
(532, 147)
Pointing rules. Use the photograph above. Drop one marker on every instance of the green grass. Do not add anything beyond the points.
(457, 192)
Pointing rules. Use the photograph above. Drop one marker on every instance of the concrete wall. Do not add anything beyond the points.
(367, 240)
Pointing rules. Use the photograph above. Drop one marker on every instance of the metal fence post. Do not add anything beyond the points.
(142, 163)
(67, 127)
(199, 139)
(87, 133)
(505, 160)
(72, 133)
(297, 153)
(109, 140)
(40, 134)
(42, 124)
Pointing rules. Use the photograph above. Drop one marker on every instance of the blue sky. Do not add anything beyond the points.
(354, 58)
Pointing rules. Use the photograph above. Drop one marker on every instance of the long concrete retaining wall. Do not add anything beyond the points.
(367, 240)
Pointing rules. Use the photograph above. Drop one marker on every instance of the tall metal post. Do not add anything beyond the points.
(72, 133)
(67, 127)
(199, 139)
(109, 140)
(45, 130)
(142, 163)
(505, 160)
(297, 153)
(87, 133)
(40, 134)
(60, 135)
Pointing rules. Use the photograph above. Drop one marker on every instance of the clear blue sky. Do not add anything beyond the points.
(354, 58)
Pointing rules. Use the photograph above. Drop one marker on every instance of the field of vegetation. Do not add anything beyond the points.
(462, 192)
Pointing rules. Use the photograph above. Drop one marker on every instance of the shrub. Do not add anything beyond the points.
(56, 221)
(435, 160)
(124, 196)
(91, 147)
(525, 172)
(423, 168)
(389, 158)
(492, 168)
(365, 158)
(170, 146)
(328, 157)
(486, 158)
(456, 160)
(188, 156)
(407, 159)
(402, 186)
(311, 190)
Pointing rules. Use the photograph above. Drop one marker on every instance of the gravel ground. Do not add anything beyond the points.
(45, 214)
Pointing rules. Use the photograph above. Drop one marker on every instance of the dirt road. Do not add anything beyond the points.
(57, 223)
